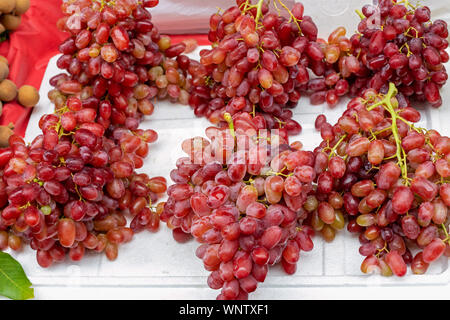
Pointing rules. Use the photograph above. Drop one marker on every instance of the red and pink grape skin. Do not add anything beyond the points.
(393, 198)
(67, 191)
(257, 226)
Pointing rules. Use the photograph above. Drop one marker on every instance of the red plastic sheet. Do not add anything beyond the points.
(29, 50)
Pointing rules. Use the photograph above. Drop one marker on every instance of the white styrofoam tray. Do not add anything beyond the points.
(154, 266)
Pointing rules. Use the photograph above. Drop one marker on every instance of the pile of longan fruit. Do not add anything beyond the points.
(10, 12)
(28, 96)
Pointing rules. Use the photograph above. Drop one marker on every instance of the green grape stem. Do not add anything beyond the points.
(386, 102)
(447, 237)
(259, 10)
(360, 14)
(258, 7)
(229, 120)
(333, 151)
(292, 17)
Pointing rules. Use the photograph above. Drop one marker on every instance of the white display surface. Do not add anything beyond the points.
(154, 266)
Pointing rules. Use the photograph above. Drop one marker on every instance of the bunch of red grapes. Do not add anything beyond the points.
(172, 79)
(397, 42)
(391, 179)
(334, 70)
(75, 186)
(258, 64)
(240, 194)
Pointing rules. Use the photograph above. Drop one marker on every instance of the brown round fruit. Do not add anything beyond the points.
(4, 70)
(7, 6)
(3, 59)
(22, 6)
(28, 96)
(10, 21)
(8, 90)
(5, 133)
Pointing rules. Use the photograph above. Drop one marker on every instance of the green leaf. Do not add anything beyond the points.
(14, 283)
